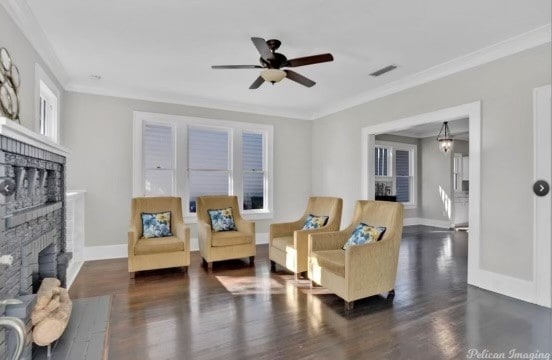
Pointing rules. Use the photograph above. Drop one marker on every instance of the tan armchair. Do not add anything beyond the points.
(157, 253)
(361, 270)
(288, 243)
(224, 245)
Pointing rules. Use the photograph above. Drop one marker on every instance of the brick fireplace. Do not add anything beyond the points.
(32, 218)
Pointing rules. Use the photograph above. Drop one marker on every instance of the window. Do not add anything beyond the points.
(190, 157)
(47, 95)
(395, 169)
(209, 171)
(254, 174)
(158, 158)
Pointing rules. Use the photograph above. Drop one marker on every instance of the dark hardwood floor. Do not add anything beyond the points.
(242, 312)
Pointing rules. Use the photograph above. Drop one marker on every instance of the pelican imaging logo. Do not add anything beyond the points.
(511, 354)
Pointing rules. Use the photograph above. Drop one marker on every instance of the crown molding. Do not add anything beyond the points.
(516, 44)
(188, 100)
(22, 15)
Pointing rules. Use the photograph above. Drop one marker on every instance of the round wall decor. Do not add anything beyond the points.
(10, 80)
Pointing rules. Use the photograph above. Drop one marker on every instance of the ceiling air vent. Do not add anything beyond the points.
(383, 70)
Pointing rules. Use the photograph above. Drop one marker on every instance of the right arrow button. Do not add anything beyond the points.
(541, 188)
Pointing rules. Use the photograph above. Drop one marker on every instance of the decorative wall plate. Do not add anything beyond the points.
(5, 60)
(2, 76)
(8, 100)
(14, 76)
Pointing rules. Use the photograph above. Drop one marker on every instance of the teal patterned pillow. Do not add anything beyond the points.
(222, 219)
(315, 222)
(156, 225)
(365, 234)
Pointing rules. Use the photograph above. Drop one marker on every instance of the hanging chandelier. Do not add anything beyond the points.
(445, 139)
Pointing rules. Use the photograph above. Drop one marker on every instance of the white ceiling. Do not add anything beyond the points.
(163, 49)
(458, 128)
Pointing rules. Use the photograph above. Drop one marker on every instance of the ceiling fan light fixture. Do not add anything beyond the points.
(273, 75)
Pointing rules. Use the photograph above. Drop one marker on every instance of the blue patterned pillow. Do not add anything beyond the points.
(222, 219)
(315, 222)
(365, 234)
(156, 225)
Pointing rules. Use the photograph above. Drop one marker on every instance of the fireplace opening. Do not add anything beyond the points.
(47, 266)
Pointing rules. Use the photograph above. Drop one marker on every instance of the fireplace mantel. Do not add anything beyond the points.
(12, 129)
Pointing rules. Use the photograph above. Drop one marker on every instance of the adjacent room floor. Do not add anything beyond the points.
(241, 312)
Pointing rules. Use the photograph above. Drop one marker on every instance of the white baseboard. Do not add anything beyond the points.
(72, 272)
(121, 250)
(428, 222)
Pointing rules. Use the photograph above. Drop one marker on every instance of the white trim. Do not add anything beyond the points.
(505, 285)
(73, 271)
(427, 222)
(181, 124)
(105, 252)
(121, 250)
(542, 206)
(482, 56)
(51, 92)
(190, 100)
(11, 129)
(22, 15)
(413, 154)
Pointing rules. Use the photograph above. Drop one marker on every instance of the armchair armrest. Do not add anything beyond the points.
(301, 238)
(245, 226)
(132, 239)
(183, 233)
(204, 233)
(283, 229)
(371, 264)
(327, 241)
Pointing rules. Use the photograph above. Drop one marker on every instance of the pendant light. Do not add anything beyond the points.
(445, 138)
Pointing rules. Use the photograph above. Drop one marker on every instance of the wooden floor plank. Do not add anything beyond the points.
(241, 312)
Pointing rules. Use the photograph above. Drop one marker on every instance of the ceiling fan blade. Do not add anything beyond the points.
(236, 67)
(309, 60)
(263, 48)
(292, 75)
(258, 82)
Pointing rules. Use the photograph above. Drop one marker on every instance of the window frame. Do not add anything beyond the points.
(159, 122)
(181, 170)
(413, 161)
(46, 88)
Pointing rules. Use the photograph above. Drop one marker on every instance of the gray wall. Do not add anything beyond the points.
(25, 57)
(436, 177)
(409, 213)
(98, 130)
(505, 88)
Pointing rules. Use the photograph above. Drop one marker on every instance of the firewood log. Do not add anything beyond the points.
(50, 328)
(47, 290)
(38, 315)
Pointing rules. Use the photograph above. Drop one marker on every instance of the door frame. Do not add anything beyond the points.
(473, 112)
(542, 206)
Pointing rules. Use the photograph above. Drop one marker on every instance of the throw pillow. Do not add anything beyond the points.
(365, 234)
(315, 222)
(156, 225)
(222, 219)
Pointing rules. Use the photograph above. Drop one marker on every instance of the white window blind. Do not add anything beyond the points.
(382, 160)
(209, 168)
(403, 177)
(158, 159)
(254, 174)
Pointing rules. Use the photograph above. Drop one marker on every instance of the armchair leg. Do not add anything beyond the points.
(391, 295)
(349, 305)
(184, 269)
(272, 266)
(210, 267)
(304, 274)
(251, 260)
(131, 274)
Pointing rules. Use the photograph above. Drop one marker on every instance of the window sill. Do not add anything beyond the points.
(192, 218)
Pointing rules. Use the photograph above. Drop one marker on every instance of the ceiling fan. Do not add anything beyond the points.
(273, 62)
